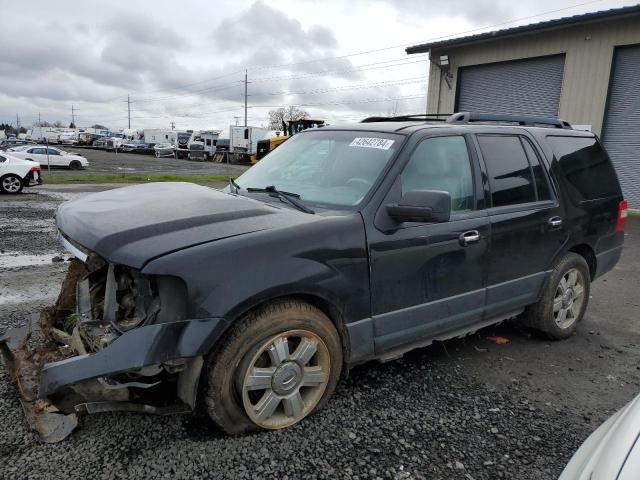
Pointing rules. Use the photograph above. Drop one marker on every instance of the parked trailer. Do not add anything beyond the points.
(243, 142)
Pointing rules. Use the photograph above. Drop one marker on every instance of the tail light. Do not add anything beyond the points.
(35, 169)
(623, 212)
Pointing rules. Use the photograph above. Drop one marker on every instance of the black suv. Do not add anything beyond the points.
(345, 244)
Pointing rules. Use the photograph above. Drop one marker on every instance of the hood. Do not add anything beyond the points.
(132, 225)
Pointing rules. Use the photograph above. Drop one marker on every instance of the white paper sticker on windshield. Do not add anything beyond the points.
(379, 143)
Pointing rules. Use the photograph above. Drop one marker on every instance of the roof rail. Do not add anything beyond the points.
(525, 121)
(432, 117)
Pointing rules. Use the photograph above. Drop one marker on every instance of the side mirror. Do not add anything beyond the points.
(422, 206)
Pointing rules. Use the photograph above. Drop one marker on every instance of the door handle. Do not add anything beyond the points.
(555, 222)
(467, 238)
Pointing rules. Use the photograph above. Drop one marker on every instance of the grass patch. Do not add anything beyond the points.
(133, 178)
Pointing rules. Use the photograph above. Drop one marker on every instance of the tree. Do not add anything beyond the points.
(283, 114)
(8, 129)
(58, 124)
(97, 126)
(23, 130)
(72, 125)
(43, 123)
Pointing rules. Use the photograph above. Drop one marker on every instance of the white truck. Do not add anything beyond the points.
(245, 139)
(202, 145)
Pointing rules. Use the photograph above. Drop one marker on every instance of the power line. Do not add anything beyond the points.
(390, 47)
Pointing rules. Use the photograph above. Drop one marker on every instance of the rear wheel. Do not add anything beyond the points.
(564, 299)
(277, 366)
(11, 184)
(75, 165)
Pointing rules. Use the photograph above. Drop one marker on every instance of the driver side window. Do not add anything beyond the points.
(441, 163)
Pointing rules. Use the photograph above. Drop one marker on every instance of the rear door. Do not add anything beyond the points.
(426, 280)
(527, 228)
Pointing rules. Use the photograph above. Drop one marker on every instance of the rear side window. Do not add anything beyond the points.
(510, 176)
(586, 167)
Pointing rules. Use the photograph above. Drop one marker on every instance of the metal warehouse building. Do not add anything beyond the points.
(584, 69)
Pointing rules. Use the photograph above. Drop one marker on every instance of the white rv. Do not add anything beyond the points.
(159, 135)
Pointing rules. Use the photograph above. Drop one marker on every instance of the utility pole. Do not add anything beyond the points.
(173, 125)
(73, 116)
(129, 110)
(17, 125)
(39, 121)
(245, 98)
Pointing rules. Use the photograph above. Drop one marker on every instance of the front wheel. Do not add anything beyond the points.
(276, 367)
(564, 298)
(75, 165)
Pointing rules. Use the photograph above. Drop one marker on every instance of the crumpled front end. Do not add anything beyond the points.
(115, 340)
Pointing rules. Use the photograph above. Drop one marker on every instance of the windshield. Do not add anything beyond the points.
(333, 168)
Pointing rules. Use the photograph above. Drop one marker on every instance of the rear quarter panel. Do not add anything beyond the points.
(589, 222)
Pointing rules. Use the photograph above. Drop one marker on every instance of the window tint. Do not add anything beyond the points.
(542, 184)
(2, 159)
(586, 167)
(441, 163)
(510, 176)
(51, 151)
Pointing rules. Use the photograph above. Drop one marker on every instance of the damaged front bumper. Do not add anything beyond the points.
(68, 362)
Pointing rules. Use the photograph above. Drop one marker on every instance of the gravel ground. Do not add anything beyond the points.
(464, 409)
(107, 162)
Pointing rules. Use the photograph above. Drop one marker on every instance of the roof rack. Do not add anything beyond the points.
(434, 117)
(525, 121)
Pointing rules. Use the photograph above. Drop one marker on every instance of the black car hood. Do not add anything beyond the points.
(133, 225)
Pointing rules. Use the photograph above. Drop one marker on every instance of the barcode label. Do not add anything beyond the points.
(379, 143)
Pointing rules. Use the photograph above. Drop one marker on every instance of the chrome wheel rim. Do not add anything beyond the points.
(285, 379)
(11, 184)
(569, 298)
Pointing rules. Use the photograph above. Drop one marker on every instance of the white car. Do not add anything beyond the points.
(52, 156)
(612, 452)
(16, 173)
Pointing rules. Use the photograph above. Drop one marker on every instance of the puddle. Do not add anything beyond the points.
(13, 260)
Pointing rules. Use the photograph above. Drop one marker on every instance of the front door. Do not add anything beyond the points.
(428, 279)
(526, 222)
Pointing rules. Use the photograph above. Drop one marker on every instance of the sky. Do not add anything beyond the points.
(183, 63)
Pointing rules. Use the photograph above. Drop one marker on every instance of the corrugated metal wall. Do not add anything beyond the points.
(528, 87)
(621, 134)
(588, 50)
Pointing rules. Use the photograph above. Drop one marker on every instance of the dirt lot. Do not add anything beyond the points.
(465, 409)
(107, 162)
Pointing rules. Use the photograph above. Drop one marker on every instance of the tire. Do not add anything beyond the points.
(11, 184)
(234, 390)
(564, 299)
(75, 165)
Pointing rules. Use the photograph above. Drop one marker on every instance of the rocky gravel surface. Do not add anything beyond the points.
(464, 409)
(421, 417)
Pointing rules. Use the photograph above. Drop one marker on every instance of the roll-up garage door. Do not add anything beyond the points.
(621, 133)
(527, 87)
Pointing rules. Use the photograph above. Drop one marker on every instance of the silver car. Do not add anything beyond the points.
(612, 452)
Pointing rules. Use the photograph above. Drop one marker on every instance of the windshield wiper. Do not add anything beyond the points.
(233, 185)
(288, 197)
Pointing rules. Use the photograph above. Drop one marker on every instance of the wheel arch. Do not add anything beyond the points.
(587, 252)
(326, 306)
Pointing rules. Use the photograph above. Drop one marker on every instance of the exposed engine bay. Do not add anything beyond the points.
(115, 340)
